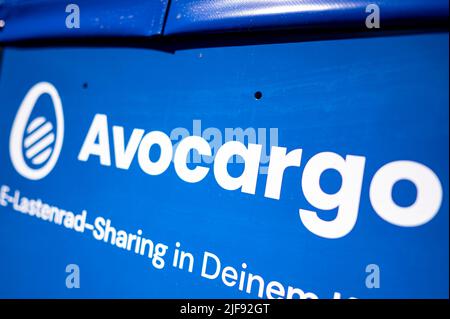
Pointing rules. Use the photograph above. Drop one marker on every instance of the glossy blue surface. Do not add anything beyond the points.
(32, 19)
(37, 19)
(225, 15)
(383, 98)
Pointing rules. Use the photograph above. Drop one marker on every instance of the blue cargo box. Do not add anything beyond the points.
(224, 149)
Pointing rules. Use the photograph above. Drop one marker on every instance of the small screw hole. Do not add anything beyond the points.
(258, 95)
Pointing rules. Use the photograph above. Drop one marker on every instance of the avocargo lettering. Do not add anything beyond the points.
(346, 200)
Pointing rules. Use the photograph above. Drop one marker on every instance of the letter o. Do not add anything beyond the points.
(428, 199)
(146, 164)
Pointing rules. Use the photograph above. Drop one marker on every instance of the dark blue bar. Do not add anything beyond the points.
(37, 19)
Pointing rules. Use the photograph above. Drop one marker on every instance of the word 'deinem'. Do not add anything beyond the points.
(346, 200)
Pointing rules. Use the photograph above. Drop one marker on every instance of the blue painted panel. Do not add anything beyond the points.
(382, 98)
(35, 19)
(192, 16)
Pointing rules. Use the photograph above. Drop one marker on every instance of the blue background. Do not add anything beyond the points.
(382, 98)
(45, 19)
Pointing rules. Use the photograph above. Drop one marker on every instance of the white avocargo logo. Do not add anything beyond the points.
(346, 200)
(37, 140)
